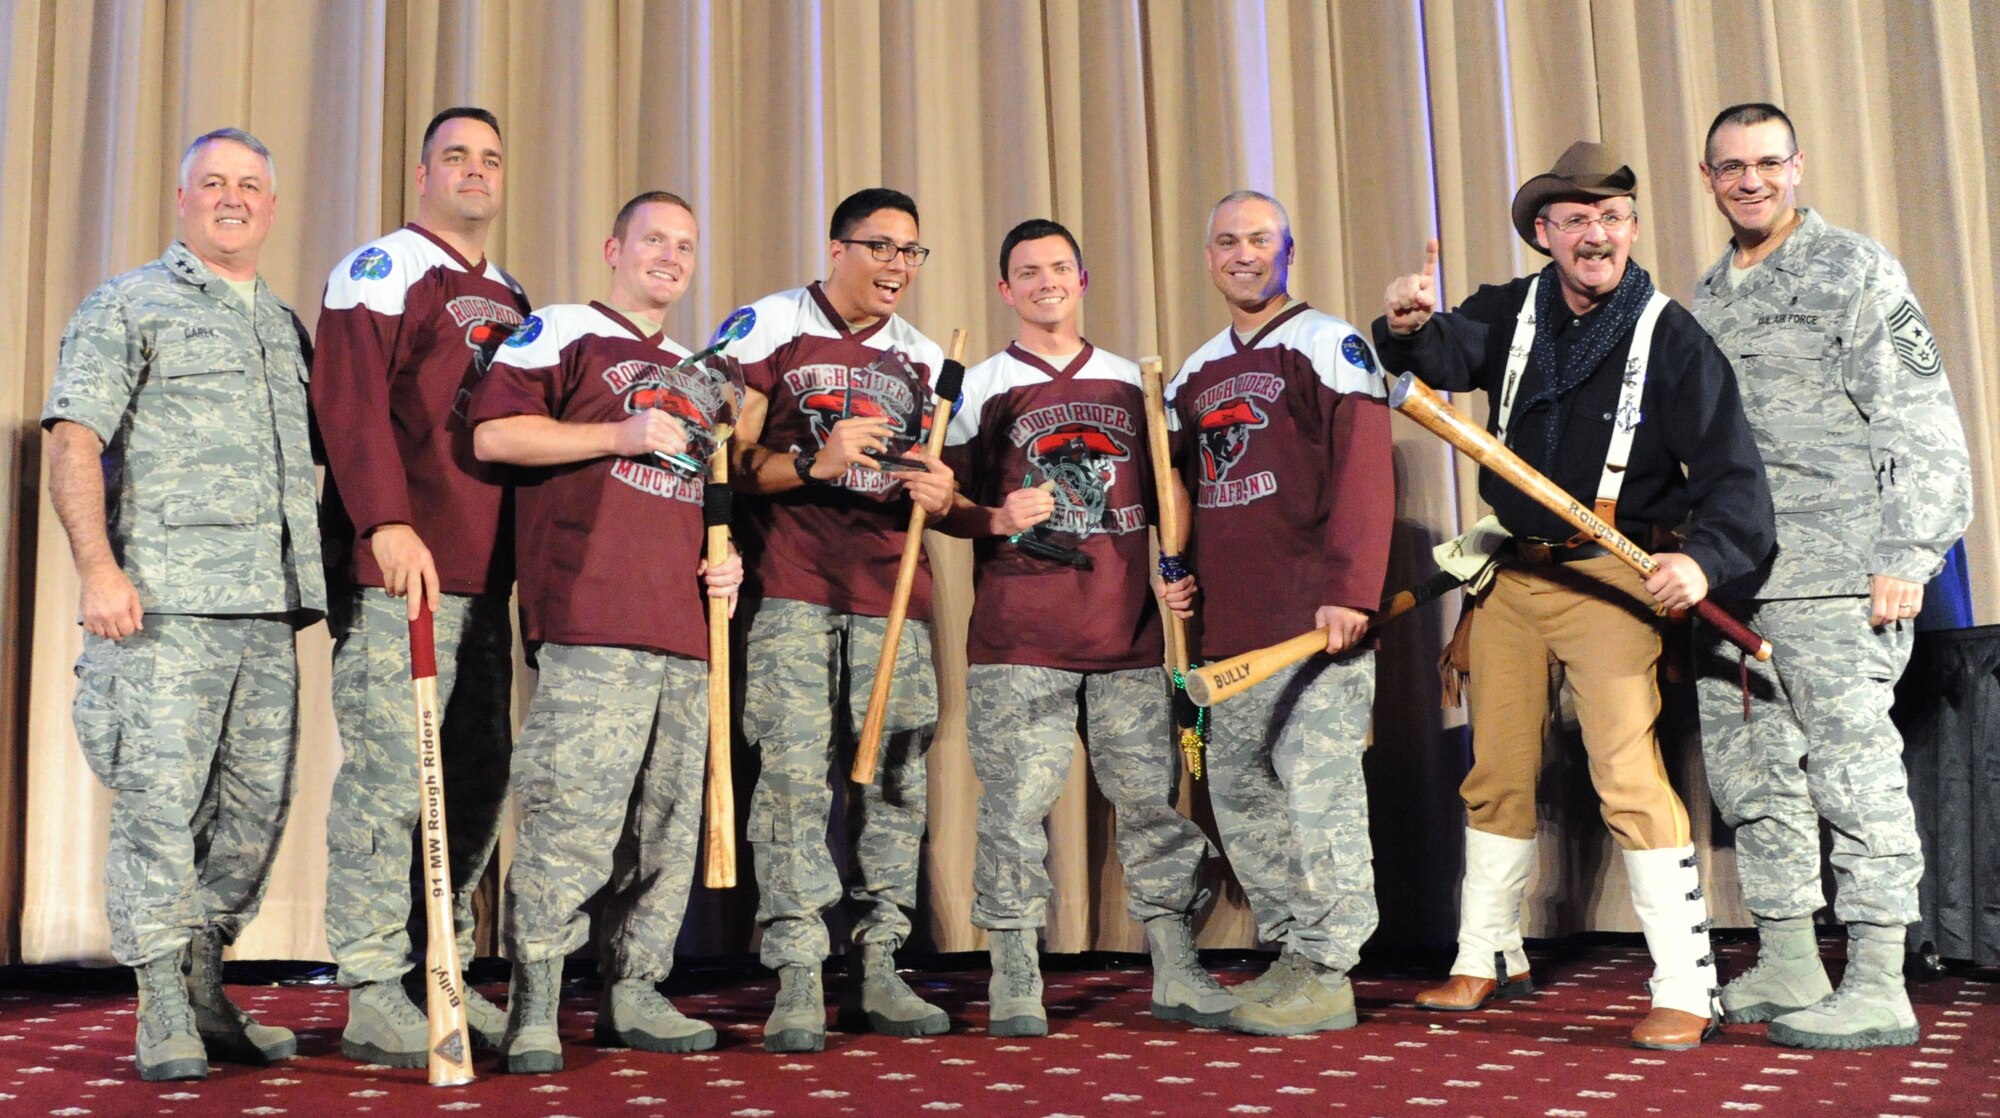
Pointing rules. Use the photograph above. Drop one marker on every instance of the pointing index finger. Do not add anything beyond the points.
(1431, 258)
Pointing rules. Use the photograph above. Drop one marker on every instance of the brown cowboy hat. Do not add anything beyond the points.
(1585, 173)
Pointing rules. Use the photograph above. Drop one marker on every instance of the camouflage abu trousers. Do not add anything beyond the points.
(372, 817)
(1819, 744)
(797, 656)
(1284, 771)
(608, 775)
(192, 723)
(1021, 722)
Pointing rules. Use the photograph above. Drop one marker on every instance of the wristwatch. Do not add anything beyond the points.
(802, 463)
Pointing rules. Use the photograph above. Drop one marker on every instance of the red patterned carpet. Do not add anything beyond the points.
(65, 1044)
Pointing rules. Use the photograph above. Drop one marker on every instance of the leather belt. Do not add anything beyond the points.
(1542, 551)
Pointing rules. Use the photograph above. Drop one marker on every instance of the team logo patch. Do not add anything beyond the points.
(1356, 352)
(371, 264)
(824, 409)
(1082, 459)
(1225, 435)
(529, 331)
(889, 387)
(739, 323)
(1915, 343)
(689, 396)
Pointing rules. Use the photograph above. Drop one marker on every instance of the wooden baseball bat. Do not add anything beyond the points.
(1153, 381)
(719, 827)
(870, 747)
(450, 1042)
(1431, 411)
(1212, 683)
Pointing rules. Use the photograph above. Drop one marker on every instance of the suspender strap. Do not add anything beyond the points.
(1625, 420)
(1517, 360)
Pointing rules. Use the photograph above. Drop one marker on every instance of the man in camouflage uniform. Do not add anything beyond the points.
(1052, 433)
(826, 366)
(181, 468)
(593, 402)
(1282, 429)
(407, 325)
(1867, 462)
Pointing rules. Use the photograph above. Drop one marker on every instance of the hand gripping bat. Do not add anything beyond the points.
(1152, 379)
(1224, 679)
(719, 820)
(950, 377)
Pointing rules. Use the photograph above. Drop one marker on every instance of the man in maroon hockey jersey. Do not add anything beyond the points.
(836, 378)
(593, 399)
(409, 322)
(1283, 428)
(1050, 440)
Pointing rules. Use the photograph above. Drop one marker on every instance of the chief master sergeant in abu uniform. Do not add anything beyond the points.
(1846, 395)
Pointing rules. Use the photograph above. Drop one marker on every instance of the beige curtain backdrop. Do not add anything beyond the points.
(1380, 124)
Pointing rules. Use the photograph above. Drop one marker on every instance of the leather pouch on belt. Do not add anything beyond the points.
(1455, 664)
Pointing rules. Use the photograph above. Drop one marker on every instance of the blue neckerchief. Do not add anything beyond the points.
(1559, 379)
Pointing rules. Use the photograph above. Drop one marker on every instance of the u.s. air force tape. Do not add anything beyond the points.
(715, 505)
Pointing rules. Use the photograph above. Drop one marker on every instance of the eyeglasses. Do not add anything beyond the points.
(886, 251)
(1575, 226)
(1734, 168)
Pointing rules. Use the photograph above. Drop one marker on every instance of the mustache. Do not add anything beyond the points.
(1596, 252)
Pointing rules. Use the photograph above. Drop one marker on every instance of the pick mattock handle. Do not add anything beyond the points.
(450, 1043)
(1152, 380)
(870, 747)
(1435, 414)
(719, 826)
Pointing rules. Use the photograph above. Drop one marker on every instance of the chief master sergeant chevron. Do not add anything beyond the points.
(180, 466)
(1846, 395)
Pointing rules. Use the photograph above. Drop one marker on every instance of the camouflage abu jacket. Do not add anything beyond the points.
(209, 490)
(1846, 393)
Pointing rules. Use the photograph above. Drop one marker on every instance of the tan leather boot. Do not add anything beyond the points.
(1463, 993)
(1489, 926)
(1667, 895)
(1670, 1030)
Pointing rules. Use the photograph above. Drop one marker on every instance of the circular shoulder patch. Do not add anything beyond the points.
(371, 264)
(1357, 354)
(529, 331)
(1915, 343)
(739, 323)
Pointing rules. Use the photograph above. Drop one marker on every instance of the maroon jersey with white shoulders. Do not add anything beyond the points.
(836, 545)
(608, 547)
(405, 331)
(1082, 426)
(1283, 441)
